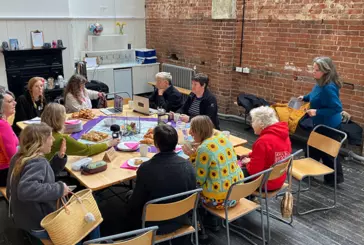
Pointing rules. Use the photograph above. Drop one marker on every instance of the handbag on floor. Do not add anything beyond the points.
(75, 220)
(287, 201)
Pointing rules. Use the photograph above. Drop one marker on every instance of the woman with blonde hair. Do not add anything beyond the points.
(8, 139)
(76, 95)
(31, 103)
(55, 116)
(215, 162)
(31, 186)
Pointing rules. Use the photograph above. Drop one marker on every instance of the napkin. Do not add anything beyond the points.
(126, 166)
(132, 146)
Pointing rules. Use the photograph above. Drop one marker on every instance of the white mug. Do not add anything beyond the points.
(131, 104)
(143, 149)
(226, 133)
(176, 117)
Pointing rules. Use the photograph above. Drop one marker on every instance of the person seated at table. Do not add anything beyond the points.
(31, 103)
(165, 95)
(272, 145)
(8, 139)
(215, 162)
(55, 116)
(200, 102)
(164, 174)
(31, 186)
(76, 96)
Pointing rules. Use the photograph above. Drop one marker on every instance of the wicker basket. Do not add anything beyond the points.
(67, 225)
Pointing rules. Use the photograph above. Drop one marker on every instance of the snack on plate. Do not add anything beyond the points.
(138, 161)
(83, 114)
(95, 136)
(147, 141)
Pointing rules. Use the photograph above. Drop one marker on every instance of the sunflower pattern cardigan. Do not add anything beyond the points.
(216, 168)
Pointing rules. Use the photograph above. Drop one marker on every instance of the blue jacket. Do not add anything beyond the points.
(326, 101)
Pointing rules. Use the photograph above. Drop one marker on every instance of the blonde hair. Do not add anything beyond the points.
(30, 86)
(54, 115)
(264, 116)
(32, 138)
(202, 126)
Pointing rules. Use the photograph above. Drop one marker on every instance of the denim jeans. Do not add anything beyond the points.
(42, 234)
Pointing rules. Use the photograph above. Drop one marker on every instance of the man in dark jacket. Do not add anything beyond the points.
(164, 174)
(165, 95)
(200, 102)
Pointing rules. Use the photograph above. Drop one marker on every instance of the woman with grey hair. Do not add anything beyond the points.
(272, 145)
(325, 108)
(165, 95)
(8, 139)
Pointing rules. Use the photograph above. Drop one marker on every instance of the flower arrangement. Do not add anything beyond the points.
(121, 27)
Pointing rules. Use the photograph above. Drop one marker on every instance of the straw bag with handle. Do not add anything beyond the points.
(287, 201)
(74, 221)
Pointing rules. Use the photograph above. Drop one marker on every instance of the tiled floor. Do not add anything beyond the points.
(343, 225)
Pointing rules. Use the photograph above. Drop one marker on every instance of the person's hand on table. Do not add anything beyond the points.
(101, 94)
(311, 112)
(171, 115)
(185, 118)
(113, 142)
(62, 149)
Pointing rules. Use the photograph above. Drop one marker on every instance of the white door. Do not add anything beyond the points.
(123, 81)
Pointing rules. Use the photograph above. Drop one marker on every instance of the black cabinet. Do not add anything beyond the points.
(21, 65)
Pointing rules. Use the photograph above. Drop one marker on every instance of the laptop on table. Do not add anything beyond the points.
(141, 105)
(118, 106)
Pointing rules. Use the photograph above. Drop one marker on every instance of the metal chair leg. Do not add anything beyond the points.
(268, 225)
(241, 234)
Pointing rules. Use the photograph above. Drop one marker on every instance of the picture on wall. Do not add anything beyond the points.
(14, 44)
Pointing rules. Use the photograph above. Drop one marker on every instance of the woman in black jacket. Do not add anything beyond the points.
(200, 102)
(31, 103)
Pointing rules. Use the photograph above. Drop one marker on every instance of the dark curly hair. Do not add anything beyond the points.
(74, 87)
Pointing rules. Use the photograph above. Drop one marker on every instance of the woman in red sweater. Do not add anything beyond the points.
(272, 145)
(8, 139)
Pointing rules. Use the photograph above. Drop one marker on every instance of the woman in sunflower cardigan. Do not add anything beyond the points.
(215, 162)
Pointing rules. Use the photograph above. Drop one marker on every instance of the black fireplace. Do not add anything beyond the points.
(21, 65)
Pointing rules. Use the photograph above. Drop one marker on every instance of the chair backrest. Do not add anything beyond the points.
(241, 189)
(282, 166)
(143, 237)
(156, 211)
(324, 143)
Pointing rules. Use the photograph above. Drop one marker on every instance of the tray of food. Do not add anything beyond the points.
(95, 136)
(83, 114)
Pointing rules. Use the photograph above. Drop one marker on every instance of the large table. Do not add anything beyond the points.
(114, 174)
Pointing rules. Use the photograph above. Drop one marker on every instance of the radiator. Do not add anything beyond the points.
(181, 76)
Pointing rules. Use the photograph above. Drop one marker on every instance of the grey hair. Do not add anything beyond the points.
(264, 116)
(165, 76)
(326, 66)
(2, 97)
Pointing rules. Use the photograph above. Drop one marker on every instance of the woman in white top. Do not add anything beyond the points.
(76, 96)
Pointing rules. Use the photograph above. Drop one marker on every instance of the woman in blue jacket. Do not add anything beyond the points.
(325, 108)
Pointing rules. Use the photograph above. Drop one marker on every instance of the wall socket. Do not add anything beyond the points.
(239, 69)
(246, 70)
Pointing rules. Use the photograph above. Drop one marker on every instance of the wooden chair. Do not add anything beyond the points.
(241, 150)
(46, 242)
(279, 169)
(156, 211)
(3, 192)
(144, 236)
(308, 167)
(238, 191)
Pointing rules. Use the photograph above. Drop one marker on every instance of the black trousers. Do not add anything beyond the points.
(3, 177)
(327, 159)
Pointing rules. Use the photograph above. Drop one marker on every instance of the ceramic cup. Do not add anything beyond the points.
(143, 149)
(131, 104)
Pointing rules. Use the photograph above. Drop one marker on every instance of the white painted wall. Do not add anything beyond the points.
(69, 20)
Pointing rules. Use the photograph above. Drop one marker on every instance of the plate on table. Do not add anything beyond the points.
(128, 146)
(178, 149)
(137, 161)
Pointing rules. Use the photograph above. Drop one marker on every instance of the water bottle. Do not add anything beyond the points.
(60, 81)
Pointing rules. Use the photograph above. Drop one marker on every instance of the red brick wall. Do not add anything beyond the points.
(280, 41)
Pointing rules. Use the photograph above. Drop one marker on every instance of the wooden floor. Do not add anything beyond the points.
(343, 225)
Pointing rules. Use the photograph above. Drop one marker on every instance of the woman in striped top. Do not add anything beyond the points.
(200, 102)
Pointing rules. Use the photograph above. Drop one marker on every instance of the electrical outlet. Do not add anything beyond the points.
(239, 69)
(246, 70)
